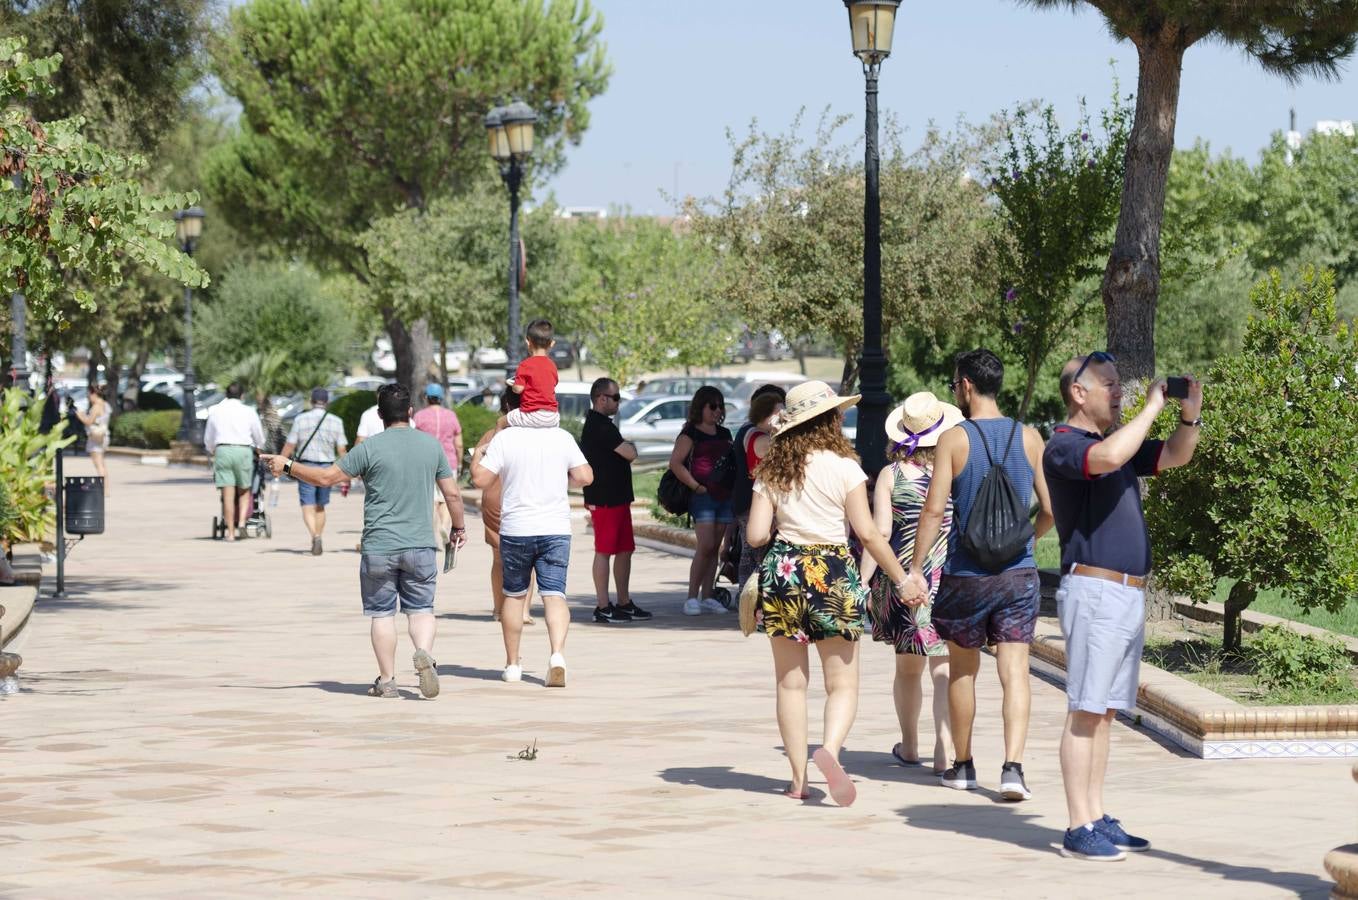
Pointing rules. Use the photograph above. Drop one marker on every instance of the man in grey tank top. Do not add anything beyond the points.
(976, 606)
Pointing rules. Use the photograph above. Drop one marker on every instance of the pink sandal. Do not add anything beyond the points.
(841, 788)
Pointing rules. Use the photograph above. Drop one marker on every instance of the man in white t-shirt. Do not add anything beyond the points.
(369, 424)
(535, 467)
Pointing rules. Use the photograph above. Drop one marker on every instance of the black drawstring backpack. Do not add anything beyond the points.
(998, 529)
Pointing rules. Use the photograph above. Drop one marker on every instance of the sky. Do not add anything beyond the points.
(684, 71)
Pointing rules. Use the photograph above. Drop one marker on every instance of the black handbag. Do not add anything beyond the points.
(673, 494)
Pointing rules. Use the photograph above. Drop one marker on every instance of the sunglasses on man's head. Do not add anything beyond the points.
(1098, 356)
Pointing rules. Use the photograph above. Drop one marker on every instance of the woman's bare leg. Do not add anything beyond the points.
(791, 670)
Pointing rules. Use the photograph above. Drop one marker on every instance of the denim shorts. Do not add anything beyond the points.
(1105, 628)
(407, 579)
(705, 510)
(547, 555)
(975, 610)
(310, 495)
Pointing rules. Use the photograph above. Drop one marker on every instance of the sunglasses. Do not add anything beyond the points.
(1098, 356)
(716, 406)
(955, 383)
(613, 397)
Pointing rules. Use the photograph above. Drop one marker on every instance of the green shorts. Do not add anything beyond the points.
(233, 465)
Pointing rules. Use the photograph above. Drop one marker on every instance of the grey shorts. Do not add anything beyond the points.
(407, 580)
(1104, 624)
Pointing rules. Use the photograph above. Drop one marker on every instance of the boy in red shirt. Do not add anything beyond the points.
(535, 382)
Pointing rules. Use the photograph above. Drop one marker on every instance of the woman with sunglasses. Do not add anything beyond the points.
(700, 446)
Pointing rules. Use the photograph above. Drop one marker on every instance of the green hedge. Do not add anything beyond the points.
(476, 421)
(350, 409)
(149, 430)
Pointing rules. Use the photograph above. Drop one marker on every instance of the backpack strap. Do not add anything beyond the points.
(984, 446)
(1012, 430)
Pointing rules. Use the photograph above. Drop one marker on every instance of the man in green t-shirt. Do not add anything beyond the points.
(400, 467)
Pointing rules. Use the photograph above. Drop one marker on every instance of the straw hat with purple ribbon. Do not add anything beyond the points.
(809, 399)
(920, 421)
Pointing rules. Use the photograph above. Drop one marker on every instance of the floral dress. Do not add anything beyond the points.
(909, 629)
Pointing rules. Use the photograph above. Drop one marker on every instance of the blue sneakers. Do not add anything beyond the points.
(1112, 829)
(1087, 843)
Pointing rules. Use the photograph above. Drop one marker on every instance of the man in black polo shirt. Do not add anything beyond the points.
(609, 500)
(1105, 559)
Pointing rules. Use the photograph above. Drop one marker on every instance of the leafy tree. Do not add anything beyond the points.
(27, 458)
(1058, 200)
(1270, 500)
(80, 207)
(789, 233)
(1290, 38)
(127, 65)
(352, 111)
(275, 327)
(643, 297)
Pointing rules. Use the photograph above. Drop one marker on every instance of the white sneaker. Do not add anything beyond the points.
(512, 673)
(556, 671)
(692, 607)
(712, 605)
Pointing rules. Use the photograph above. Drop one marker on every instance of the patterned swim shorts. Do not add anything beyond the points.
(975, 610)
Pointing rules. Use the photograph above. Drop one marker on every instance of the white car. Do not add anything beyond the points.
(572, 398)
(489, 358)
(653, 423)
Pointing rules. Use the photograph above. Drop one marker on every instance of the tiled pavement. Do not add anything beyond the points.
(193, 722)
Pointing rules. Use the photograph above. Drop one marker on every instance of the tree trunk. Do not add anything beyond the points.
(443, 366)
(1241, 596)
(1028, 390)
(414, 353)
(1131, 282)
(801, 358)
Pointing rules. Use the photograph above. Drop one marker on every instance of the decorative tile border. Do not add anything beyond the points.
(1298, 749)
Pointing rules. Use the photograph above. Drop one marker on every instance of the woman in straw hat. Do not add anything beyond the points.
(809, 588)
(913, 428)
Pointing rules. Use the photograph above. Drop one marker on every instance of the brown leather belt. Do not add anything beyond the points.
(1136, 581)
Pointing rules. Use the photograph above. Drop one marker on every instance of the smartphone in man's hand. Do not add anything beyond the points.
(1176, 388)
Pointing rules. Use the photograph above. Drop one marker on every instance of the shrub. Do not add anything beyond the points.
(350, 408)
(1287, 660)
(476, 421)
(148, 430)
(27, 464)
(1270, 500)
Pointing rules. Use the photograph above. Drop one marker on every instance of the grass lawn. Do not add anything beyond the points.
(644, 484)
(1272, 602)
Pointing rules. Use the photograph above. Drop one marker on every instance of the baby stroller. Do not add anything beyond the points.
(257, 522)
(727, 566)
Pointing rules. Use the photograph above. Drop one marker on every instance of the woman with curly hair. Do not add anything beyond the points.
(809, 589)
(913, 428)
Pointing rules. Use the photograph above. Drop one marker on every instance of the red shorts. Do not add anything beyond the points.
(612, 529)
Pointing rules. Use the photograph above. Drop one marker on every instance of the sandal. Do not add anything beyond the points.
(841, 788)
(803, 795)
(900, 757)
(385, 689)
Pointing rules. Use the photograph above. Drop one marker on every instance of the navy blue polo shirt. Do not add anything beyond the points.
(1098, 517)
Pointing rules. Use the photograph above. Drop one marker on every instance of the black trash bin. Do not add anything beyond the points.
(84, 505)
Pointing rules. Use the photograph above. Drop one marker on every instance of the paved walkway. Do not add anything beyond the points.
(193, 722)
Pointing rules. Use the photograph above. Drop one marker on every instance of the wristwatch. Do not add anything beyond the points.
(1191, 423)
(287, 467)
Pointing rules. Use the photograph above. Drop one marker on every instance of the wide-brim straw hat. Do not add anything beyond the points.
(921, 420)
(809, 399)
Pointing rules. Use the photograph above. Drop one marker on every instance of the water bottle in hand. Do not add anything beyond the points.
(273, 492)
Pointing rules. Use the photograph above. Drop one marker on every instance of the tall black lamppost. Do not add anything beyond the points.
(871, 23)
(510, 130)
(188, 225)
(18, 315)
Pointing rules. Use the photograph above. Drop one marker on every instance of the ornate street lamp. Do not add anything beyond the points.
(509, 130)
(188, 224)
(871, 23)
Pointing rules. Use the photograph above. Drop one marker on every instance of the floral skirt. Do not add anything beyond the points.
(810, 593)
(908, 629)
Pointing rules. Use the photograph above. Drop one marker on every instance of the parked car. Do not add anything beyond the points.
(754, 380)
(687, 385)
(850, 424)
(572, 398)
(489, 357)
(652, 422)
(751, 345)
(563, 353)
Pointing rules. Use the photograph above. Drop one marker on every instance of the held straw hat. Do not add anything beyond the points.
(809, 399)
(921, 420)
